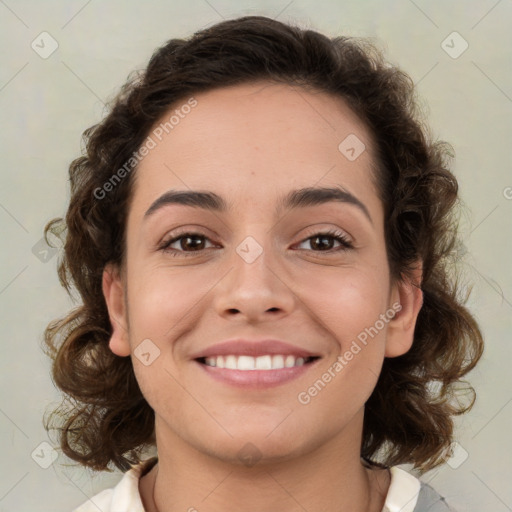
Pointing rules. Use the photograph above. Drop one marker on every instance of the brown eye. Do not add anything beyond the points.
(196, 244)
(323, 242)
(326, 242)
(187, 243)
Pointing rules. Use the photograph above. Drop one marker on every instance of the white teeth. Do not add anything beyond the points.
(266, 362)
(278, 362)
(245, 363)
(290, 361)
(230, 362)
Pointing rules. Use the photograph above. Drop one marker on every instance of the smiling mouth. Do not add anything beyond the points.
(248, 363)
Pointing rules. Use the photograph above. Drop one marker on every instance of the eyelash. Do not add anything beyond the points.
(336, 235)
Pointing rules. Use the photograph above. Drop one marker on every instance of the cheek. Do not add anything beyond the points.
(350, 309)
(346, 302)
(163, 300)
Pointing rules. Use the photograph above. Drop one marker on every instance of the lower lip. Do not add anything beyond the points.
(256, 379)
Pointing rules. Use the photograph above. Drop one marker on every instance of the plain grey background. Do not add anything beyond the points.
(47, 101)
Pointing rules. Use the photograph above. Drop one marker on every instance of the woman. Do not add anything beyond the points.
(311, 338)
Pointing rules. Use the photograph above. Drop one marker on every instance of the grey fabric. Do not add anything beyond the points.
(429, 500)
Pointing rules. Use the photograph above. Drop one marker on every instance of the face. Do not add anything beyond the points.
(267, 258)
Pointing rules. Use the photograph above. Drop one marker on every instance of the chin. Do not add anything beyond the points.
(255, 452)
(260, 444)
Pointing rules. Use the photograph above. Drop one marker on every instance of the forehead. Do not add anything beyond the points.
(254, 140)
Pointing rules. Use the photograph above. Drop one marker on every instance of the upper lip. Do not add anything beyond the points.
(253, 348)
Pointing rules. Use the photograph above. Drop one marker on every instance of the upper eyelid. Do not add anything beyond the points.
(178, 236)
(314, 231)
(332, 232)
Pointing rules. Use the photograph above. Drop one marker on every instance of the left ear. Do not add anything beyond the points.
(400, 333)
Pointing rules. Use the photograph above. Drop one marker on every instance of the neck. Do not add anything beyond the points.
(330, 478)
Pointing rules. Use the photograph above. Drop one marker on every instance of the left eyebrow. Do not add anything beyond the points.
(301, 198)
(312, 196)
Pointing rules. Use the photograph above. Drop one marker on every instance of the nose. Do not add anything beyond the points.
(254, 289)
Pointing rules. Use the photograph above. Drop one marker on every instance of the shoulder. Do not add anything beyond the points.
(429, 500)
(124, 497)
(407, 493)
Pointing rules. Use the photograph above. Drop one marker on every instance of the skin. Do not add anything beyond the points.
(251, 144)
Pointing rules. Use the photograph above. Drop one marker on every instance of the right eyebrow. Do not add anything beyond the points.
(196, 199)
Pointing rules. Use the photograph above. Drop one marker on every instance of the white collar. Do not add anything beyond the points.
(403, 491)
(402, 494)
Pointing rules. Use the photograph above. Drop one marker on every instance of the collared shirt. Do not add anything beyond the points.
(405, 494)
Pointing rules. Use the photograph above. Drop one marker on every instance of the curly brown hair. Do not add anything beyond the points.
(104, 418)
